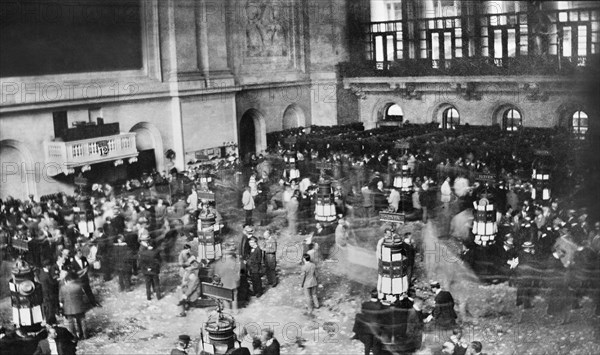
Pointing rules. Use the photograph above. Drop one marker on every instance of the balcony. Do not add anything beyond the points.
(83, 153)
(545, 42)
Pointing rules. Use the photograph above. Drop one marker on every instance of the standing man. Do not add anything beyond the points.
(105, 244)
(122, 263)
(248, 204)
(244, 248)
(367, 325)
(310, 283)
(341, 241)
(79, 265)
(255, 266)
(49, 280)
(149, 264)
(270, 250)
(72, 300)
(443, 314)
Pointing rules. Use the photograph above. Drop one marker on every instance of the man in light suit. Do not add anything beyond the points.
(248, 204)
(310, 283)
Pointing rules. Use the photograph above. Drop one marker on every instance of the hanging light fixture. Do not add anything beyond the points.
(485, 227)
(209, 240)
(540, 193)
(291, 171)
(325, 208)
(403, 181)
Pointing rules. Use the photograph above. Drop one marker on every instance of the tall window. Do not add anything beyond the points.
(451, 119)
(394, 113)
(512, 120)
(579, 124)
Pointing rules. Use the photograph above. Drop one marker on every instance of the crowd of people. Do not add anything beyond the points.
(132, 230)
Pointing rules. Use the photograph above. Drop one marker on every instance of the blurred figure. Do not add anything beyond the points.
(292, 213)
(443, 313)
(228, 268)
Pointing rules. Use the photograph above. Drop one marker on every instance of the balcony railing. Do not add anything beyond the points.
(567, 35)
(66, 156)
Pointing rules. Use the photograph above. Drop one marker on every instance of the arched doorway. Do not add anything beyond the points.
(579, 124)
(15, 162)
(393, 113)
(293, 117)
(252, 131)
(450, 118)
(150, 147)
(512, 120)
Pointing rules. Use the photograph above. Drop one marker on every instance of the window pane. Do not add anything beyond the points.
(390, 48)
(435, 46)
(567, 42)
(379, 49)
(582, 40)
(447, 45)
(497, 44)
(512, 42)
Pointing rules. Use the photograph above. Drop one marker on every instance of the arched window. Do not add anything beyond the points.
(512, 120)
(394, 113)
(579, 124)
(451, 118)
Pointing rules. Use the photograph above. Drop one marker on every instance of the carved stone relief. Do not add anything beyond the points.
(267, 28)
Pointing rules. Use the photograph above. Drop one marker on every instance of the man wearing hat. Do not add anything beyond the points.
(182, 345)
(443, 313)
(368, 323)
(149, 264)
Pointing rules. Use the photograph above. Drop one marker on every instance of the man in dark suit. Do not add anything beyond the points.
(182, 345)
(271, 345)
(78, 264)
(244, 247)
(105, 245)
(255, 266)
(443, 313)
(74, 304)
(368, 323)
(149, 264)
(122, 263)
(54, 344)
(49, 282)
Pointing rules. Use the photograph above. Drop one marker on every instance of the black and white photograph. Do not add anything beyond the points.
(299, 177)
